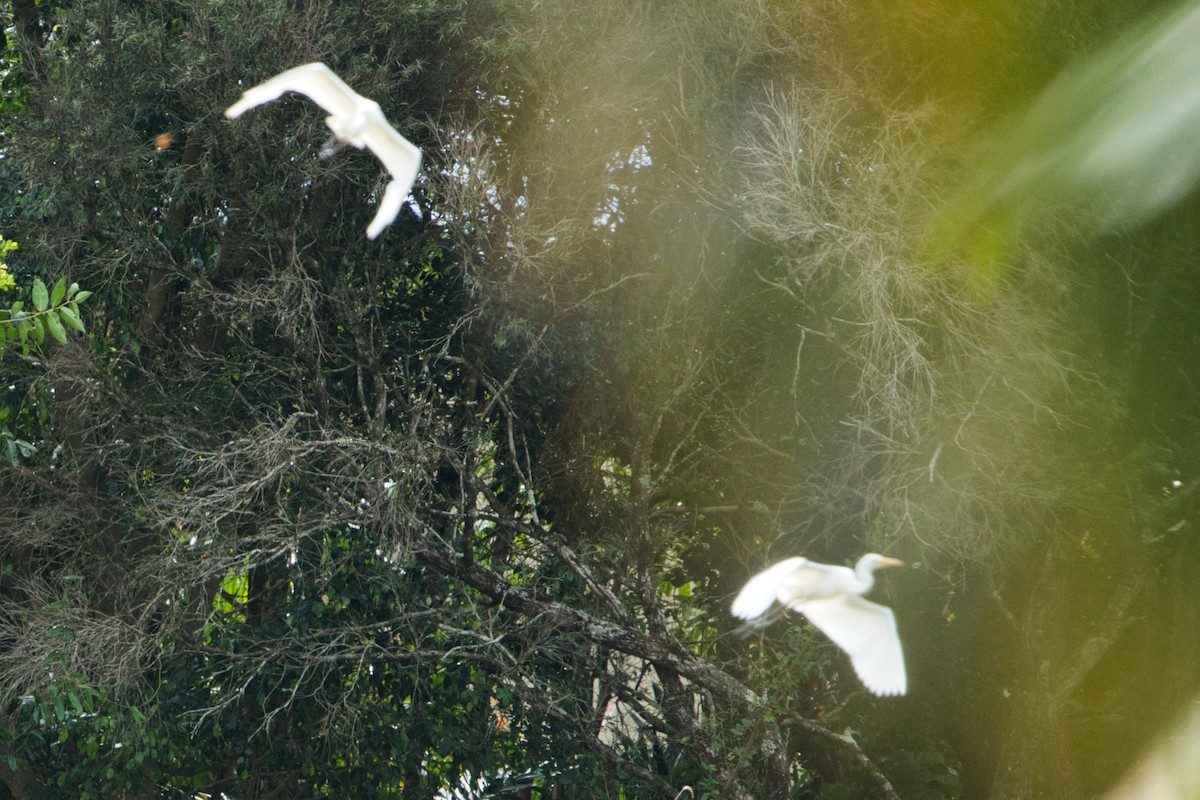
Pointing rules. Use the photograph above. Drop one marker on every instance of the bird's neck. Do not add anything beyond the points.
(866, 577)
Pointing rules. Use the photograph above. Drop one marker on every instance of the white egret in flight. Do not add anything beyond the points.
(832, 599)
(354, 120)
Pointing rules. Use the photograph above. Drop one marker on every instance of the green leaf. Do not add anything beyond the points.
(41, 298)
(39, 331)
(71, 317)
(71, 290)
(55, 327)
(59, 291)
(84, 295)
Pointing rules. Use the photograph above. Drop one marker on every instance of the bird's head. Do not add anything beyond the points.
(867, 565)
(876, 561)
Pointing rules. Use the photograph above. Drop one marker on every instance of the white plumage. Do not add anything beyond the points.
(831, 598)
(354, 120)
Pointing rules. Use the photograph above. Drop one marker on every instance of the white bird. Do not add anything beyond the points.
(354, 120)
(831, 598)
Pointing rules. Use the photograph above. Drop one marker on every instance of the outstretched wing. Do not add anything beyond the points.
(400, 156)
(315, 80)
(867, 632)
(389, 206)
(761, 591)
(354, 120)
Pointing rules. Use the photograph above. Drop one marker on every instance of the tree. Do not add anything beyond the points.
(311, 515)
(342, 534)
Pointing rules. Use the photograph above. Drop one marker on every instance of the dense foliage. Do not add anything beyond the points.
(680, 291)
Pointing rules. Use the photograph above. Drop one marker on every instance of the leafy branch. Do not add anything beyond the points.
(51, 311)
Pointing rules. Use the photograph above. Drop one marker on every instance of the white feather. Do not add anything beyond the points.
(761, 591)
(354, 120)
(831, 598)
(867, 632)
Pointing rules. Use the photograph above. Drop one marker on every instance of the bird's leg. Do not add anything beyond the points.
(333, 145)
(759, 624)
